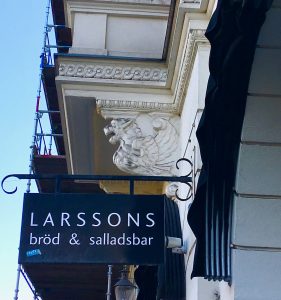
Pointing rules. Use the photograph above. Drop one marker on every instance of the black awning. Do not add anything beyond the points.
(232, 32)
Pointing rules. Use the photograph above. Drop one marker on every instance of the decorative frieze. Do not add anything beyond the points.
(98, 71)
(148, 144)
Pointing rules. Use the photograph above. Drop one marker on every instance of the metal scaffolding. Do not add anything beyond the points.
(39, 145)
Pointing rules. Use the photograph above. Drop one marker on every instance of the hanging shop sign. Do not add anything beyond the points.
(83, 228)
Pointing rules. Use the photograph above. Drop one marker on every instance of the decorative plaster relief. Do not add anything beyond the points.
(113, 72)
(148, 144)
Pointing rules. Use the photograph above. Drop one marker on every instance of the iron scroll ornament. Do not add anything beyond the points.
(59, 178)
(189, 184)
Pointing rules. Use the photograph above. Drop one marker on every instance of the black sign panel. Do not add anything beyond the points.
(79, 228)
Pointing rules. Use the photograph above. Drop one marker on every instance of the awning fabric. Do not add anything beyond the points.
(232, 32)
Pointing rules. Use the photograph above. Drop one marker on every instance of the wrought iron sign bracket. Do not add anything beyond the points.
(59, 178)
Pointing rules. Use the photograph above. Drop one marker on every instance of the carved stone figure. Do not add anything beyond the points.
(148, 144)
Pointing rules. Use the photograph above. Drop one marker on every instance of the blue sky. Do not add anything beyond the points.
(21, 34)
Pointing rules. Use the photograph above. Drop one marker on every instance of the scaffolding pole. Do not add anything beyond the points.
(29, 285)
(17, 283)
(19, 269)
(37, 114)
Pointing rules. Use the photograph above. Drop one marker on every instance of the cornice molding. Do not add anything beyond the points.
(116, 72)
(108, 107)
(138, 75)
(195, 37)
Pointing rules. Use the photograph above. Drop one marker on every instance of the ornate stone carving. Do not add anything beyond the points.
(113, 72)
(148, 144)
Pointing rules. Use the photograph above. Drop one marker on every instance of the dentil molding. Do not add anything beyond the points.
(110, 108)
(148, 144)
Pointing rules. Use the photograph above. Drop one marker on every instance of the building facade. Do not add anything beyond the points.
(142, 84)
